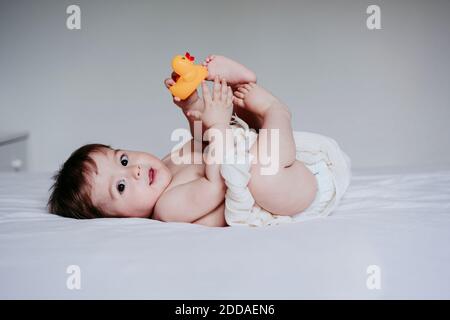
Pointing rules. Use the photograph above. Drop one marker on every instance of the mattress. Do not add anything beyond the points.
(394, 226)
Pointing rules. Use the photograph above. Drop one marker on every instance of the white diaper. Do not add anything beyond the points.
(320, 154)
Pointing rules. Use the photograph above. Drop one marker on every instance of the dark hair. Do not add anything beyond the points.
(70, 193)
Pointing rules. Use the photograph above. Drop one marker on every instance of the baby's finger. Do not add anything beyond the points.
(169, 82)
(206, 94)
(224, 90)
(216, 92)
(229, 96)
(176, 99)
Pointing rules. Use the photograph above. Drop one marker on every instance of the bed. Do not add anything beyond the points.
(397, 222)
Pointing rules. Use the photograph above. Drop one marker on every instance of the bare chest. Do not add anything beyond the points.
(184, 172)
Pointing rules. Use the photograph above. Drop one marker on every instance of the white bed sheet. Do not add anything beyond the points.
(398, 221)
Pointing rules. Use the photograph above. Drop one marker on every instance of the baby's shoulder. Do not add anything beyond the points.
(189, 153)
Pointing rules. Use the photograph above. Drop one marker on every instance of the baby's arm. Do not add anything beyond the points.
(191, 201)
(216, 117)
(192, 103)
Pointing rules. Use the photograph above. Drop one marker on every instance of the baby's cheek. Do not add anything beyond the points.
(150, 200)
(127, 204)
(144, 198)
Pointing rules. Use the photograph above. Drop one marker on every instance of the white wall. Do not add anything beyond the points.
(383, 95)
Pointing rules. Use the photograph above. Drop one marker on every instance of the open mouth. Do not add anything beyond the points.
(151, 176)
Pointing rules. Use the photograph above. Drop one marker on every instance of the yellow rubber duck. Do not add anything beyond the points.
(190, 75)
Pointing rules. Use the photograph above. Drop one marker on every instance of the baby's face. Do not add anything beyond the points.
(123, 185)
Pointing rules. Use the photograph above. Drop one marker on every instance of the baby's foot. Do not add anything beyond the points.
(233, 72)
(254, 98)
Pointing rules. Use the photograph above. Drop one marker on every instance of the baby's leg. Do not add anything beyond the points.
(236, 74)
(293, 188)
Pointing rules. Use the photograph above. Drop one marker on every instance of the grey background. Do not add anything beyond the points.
(383, 94)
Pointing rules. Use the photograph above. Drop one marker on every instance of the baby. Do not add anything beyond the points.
(98, 181)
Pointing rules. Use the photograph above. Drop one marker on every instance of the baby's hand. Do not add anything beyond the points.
(218, 108)
(183, 104)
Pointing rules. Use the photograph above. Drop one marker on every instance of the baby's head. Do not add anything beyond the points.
(99, 182)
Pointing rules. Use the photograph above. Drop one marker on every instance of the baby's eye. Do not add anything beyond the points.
(124, 160)
(121, 186)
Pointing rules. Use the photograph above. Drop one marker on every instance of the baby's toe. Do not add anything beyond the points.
(242, 89)
(238, 94)
(238, 102)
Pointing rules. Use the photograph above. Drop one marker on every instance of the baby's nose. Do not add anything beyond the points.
(136, 171)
